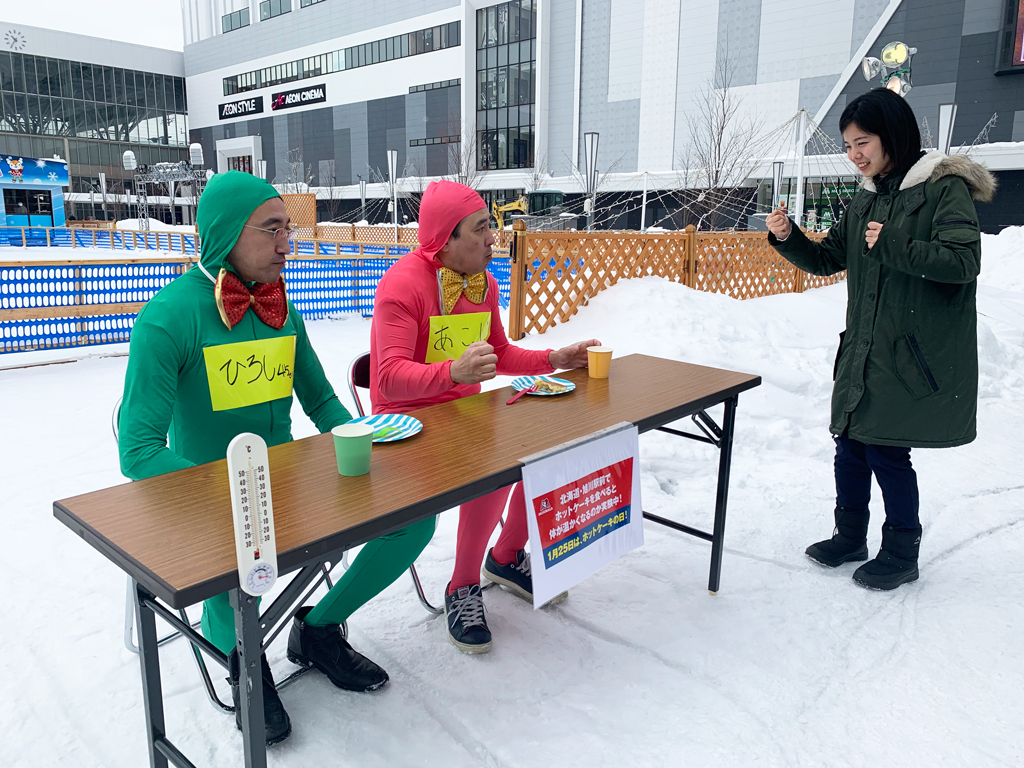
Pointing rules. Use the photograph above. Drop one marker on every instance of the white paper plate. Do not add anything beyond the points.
(403, 426)
(525, 382)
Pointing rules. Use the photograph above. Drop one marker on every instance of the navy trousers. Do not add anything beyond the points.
(856, 462)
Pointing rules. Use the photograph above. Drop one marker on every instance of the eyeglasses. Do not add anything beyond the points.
(288, 233)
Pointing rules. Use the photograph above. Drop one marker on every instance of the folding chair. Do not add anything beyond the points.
(211, 692)
(359, 376)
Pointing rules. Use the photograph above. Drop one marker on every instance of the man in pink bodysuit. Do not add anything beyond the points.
(447, 275)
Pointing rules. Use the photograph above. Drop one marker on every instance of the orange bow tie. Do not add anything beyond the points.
(453, 285)
(268, 300)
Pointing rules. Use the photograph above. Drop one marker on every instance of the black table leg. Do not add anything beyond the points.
(149, 660)
(724, 466)
(248, 635)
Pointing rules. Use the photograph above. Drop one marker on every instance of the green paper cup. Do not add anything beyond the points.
(352, 445)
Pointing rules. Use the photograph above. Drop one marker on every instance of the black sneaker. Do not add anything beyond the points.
(276, 721)
(516, 576)
(467, 624)
(326, 649)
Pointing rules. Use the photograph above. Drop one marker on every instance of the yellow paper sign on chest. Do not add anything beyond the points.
(250, 372)
(451, 334)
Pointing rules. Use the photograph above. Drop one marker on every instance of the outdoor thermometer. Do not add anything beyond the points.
(253, 510)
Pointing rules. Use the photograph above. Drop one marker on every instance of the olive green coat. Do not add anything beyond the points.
(907, 367)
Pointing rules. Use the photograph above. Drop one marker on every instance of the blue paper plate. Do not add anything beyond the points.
(525, 382)
(403, 426)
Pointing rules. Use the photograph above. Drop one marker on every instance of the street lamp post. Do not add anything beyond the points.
(947, 116)
(894, 67)
(392, 177)
(362, 198)
(590, 142)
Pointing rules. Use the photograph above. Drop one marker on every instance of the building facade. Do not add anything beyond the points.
(502, 94)
(88, 100)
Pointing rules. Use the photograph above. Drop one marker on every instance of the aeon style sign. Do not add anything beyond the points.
(252, 106)
(312, 95)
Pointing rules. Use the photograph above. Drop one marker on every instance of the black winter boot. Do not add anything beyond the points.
(278, 724)
(849, 541)
(326, 649)
(896, 562)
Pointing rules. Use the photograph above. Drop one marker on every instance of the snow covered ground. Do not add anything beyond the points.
(10, 253)
(789, 665)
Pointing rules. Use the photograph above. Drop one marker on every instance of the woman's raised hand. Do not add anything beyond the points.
(778, 222)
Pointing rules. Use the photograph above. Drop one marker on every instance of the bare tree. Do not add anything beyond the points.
(601, 215)
(538, 175)
(719, 153)
(329, 191)
(296, 177)
(462, 164)
(117, 198)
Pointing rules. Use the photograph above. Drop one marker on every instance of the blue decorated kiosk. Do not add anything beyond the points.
(33, 194)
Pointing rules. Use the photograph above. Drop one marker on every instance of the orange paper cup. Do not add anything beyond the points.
(599, 361)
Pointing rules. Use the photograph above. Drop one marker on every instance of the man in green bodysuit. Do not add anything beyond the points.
(187, 393)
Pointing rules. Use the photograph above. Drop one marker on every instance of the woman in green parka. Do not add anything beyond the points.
(906, 373)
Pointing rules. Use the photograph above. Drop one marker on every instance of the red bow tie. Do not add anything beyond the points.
(268, 300)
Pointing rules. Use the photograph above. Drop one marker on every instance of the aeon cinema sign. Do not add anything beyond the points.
(314, 94)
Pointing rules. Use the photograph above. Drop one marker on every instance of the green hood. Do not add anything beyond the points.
(226, 204)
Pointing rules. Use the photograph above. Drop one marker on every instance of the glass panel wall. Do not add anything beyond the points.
(506, 84)
(411, 44)
(99, 111)
(39, 95)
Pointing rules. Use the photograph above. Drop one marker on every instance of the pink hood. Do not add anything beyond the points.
(444, 205)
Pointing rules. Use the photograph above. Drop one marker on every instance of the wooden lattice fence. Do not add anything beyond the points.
(301, 208)
(353, 233)
(556, 273)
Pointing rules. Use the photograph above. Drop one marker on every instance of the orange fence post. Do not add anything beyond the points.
(520, 253)
(691, 256)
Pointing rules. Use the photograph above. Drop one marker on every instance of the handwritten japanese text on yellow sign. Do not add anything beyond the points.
(250, 372)
(451, 334)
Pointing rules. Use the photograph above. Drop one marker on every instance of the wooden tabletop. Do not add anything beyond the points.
(174, 534)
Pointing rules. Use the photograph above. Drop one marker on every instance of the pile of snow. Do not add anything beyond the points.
(790, 664)
(155, 225)
(13, 253)
(1002, 259)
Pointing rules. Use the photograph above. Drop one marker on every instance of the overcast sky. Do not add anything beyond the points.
(149, 22)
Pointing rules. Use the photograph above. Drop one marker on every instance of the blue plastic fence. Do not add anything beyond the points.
(318, 286)
(114, 240)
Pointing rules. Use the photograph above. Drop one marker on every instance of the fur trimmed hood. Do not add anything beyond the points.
(936, 165)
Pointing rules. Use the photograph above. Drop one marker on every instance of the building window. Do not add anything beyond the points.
(271, 8)
(232, 21)
(411, 44)
(435, 140)
(307, 3)
(1010, 41)
(506, 61)
(90, 101)
(433, 86)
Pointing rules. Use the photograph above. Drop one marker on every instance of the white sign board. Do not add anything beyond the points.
(582, 507)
